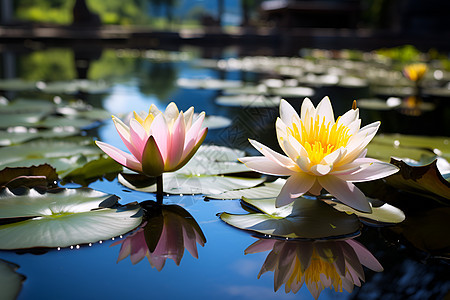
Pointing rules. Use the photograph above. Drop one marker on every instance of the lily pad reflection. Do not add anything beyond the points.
(11, 282)
(302, 219)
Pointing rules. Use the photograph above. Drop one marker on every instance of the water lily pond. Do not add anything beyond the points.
(328, 223)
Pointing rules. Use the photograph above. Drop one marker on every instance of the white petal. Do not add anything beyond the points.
(324, 109)
(349, 117)
(287, 112)
(272, 155)
(295, 186)
(320, 170)
(345, 192)
(265, 165)
(307, 110)
(370, 171)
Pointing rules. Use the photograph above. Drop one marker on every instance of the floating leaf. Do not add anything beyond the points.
(21, 134)
(303, 219)
(103, 167)
(11, 282)
(216, 122)
(43, 151)
(267, 190)
(423, 180)
(207, 83)
(384, 146)
(18, 85)
(178, 183)
(62, 217)
(292, 91)
(27, 106)
(74, 86)
(381, 212)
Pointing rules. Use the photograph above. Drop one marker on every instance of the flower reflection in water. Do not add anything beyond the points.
(318, 264)
(166, 232)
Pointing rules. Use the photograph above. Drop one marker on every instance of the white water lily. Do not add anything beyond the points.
(321, 153)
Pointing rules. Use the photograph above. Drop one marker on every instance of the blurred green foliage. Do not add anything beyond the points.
(60, 11)
(48, 65)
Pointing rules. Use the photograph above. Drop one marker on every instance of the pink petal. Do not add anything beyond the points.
(124, 133)
(345, 192)
(160, 131)
(192, 135)
(138, 137)
(295, 186)
(123, 158)
(304, 254)
(264, 165)
(176, 147)
(365, 257)
(370, 171)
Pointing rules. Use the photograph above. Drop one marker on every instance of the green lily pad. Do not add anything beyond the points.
(381, 212)
(27, 106)
(14, 136)
(42, 151)
(383, 146)
(248, 101)
(216, 122)
(62, 217)
(207, 83)
(423, 180)
(74, 86)
(302, 219)
(292, 91)
(212, 170)
(18, 85)
(260, 89)
(267, 190)
(11, 282)
(21, 119)
(179, 183)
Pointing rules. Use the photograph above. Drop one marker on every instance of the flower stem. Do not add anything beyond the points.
(159, 189)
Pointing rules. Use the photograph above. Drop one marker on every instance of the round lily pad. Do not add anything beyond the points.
(62, 218)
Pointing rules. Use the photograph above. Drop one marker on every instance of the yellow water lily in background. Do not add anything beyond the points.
(159, 142)
(321, 153)
(415, 72)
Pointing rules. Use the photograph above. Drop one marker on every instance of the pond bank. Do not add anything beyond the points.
(281, 41)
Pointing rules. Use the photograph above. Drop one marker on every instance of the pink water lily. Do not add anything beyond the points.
(318, 264)
(159, 142)
(321, 153)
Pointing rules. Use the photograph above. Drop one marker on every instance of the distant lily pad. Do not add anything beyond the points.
(292, 91)
(27, 106)
(14, 136)
(46, 151)
(18, 85)
(302, 219)
(216, 122)
(62, 217)
(11, 282)
(207, 83)
(74, 86)
(247, 89)
(248, 101)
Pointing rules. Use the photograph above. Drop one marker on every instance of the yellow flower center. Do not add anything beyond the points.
(317, 266)
(320, 139)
